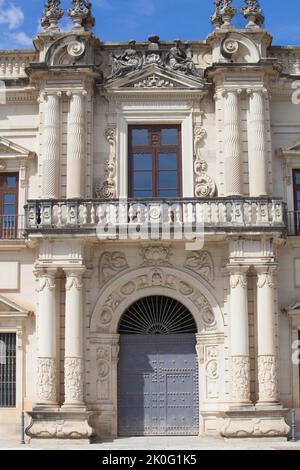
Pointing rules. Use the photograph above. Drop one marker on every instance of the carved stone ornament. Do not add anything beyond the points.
(72, 425)
(110, 264)
(253, 13)
(51, 15)
(46, 380)
(201, 262)
(154, 81)
(204, 184)
(156, 255)
(156, 278)
(153, 55)
(229, 47)
(216, 18)
(107, 189)
(127, 62)
(267, 378)
(81, 15)
(76, 49)
(240, 379)
(74, 379)
(227, 12)
(180, 59)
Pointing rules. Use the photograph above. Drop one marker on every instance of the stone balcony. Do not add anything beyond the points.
(111, 219)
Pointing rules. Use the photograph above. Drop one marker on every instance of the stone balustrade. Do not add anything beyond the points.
(14, 65)
(217, 214)
(289, 57)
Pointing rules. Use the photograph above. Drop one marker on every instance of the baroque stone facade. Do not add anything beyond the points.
(80, 255)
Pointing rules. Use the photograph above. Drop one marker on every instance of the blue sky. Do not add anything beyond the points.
(121, 20)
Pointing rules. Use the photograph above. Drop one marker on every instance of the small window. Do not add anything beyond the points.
(154, 162)
(7, 370)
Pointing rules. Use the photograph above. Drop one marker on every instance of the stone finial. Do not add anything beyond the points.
(253, 13)
(81, 15)
(227, 12)
(51, 15)
(216, 18)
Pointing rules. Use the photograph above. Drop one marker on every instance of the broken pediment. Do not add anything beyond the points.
(12, 150)
(156, 77)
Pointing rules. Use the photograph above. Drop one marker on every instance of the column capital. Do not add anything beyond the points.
(263, 90)
(74, 277)
(77, 93)
(238, 275)
(266, 275)
(45, 277)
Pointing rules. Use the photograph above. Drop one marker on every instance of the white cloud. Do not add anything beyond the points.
(20, 39)
(10, 15)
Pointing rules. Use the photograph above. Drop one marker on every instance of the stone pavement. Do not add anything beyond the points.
(164, 443)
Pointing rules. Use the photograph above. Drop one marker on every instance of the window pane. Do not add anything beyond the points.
(169, 136)
(142, 161)
(9, 198)
(139, 136)
(167, 161)
(168, 193)
(9, 210)
(142, 194)
(11, 181)
(167, 180)
(142, 180)
(297, 177)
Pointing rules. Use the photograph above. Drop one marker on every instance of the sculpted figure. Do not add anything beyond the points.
(180, 59)
(127, 62)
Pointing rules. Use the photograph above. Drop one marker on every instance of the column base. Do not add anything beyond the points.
(59, 425)
(258, 422)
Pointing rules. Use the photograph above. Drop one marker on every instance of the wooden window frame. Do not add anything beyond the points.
(6, 190)
(154, 149)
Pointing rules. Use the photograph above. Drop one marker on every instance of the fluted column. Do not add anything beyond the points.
(51, 146)
(76, 146)
(74, 366)
(257, 147)
(266, 344)
(232, 143)
(239, 336)
(46, 328)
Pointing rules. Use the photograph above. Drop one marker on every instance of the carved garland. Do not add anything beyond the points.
(204, 184)
(107, 189)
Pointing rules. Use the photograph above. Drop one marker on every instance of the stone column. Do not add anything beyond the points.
(257, 145)
(74, 366)
(232, 143)
(266, 345)
(239, 336)
(76, 148)
(46, 328)
(51, 146)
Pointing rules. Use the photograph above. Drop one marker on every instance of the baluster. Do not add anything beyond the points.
(131, 213)
(84, 214)
(178, 214)
(59, 214)
(93, 214)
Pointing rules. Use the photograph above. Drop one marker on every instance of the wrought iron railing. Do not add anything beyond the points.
(216, 214)
(12, 227)
(294, 223)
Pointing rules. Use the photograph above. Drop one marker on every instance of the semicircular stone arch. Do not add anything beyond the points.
(128, 288)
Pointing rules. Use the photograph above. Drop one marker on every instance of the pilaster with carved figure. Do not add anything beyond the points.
(266, 343)
(74, 357)
(239, 336)
(47, 351)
